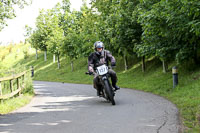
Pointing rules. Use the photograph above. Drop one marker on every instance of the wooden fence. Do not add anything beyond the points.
(19, 86)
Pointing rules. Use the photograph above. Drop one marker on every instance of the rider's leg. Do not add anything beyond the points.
(113, 76)
(96, 86)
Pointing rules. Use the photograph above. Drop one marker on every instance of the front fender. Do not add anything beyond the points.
(104, 78)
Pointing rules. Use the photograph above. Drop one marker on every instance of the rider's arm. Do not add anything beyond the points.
(90, 63)
(110, 57)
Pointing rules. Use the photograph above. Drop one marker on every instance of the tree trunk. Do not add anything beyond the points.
(165, 66)
(196, 54)
(125, 63)
(72, 66)
(58, 61)
(54, 58)
(66, 64)
(143, 64)
(45, 55)
(36, 53)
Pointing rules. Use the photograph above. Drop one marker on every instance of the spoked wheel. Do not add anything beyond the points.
(109, 92)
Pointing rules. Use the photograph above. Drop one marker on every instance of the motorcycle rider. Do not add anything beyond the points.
(101, 56)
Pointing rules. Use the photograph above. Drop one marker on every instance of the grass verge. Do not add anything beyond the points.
(11, 104)
(9, 65)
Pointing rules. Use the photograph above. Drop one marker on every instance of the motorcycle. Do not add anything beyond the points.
(106, 89)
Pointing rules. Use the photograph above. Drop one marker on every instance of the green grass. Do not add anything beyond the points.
(11, 104)
(186, 95)
(10, 65)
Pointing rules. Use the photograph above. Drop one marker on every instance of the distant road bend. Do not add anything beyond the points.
(75, 108)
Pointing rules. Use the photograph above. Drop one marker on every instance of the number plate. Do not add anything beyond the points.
(102, 69)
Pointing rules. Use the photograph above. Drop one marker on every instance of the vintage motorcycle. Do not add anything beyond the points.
(106, 90)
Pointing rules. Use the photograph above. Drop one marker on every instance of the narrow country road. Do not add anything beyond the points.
(75, 108)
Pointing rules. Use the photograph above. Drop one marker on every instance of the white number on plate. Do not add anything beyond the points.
(102, 69)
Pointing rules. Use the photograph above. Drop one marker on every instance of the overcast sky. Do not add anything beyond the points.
(14, 32)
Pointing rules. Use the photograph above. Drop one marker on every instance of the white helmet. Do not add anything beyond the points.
(98, 44)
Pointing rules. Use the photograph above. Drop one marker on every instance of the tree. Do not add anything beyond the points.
(55, 37)
(72, 42)
(118, 28)
(88, 32)
(166, 34)
(43, 31)
(7, 10)
(154, 24)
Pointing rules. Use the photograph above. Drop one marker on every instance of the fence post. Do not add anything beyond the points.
(175, 76)
(22, 85)
(11, 79)
(18, 85)
(0, 90)
(1, 93)
(11, 86)
(23, 80)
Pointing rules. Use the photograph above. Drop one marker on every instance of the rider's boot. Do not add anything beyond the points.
(114, 81)
(116, 87)
(99, 92)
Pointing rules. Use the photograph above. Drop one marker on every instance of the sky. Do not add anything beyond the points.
(15, 30)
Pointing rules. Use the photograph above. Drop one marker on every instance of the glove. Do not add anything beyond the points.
(113, 64)
(90, 73)
(90, 70)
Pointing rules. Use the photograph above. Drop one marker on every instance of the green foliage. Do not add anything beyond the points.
(5, 51)
(56, 35)
(88, 31)
(72, 41)
(118, 26)
(142, 27)
(25, 54)
(166, 34)
(7, 10)
(28, 85)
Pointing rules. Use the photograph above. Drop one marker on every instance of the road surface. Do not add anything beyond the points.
(75, 108)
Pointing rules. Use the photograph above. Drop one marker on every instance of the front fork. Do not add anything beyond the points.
(105, 77)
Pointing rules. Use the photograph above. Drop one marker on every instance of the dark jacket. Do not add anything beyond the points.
(95, 59)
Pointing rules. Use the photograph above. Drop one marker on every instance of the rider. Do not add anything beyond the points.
(101, 56)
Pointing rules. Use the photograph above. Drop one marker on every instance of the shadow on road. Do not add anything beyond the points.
(52, 106)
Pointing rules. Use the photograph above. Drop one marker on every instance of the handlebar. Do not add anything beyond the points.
(109, 67)
(88, 73)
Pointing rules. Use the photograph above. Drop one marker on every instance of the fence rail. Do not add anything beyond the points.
(20, 87)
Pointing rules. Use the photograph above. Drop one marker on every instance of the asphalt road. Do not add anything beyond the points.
(75, 108)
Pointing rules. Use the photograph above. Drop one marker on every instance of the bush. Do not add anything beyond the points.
(25, 52)
(28, 85)
(10, 48)
(2, 57)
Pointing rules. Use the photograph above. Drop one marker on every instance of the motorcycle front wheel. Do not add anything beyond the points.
(109, 92)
